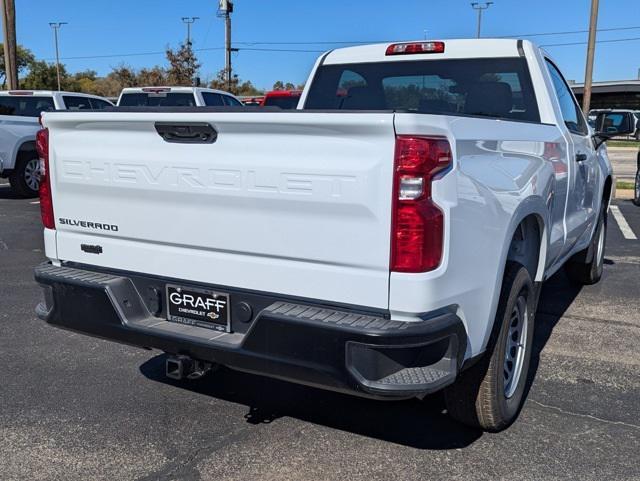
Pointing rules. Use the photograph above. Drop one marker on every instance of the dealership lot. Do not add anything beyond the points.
(73, 407)
(624, 161)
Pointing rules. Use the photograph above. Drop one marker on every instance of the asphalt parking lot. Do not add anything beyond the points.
(624, 161)
(76, 408)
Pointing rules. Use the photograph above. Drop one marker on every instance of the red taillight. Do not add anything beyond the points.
(415, 48)
(46, 201)
(156, 90)
(418, 223)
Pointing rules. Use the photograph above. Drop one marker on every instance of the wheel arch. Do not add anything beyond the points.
(531, 219)
(533, 214)
(23, 146)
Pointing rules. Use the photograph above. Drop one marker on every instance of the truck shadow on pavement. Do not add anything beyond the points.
(7, 193)
(414, 423)
(418, 424)
(558, 293)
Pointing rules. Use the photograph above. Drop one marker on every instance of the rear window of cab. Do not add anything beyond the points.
(25, 106)
(484, 87)
(159, 99)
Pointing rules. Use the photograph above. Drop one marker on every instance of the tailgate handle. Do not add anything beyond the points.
(187, 132)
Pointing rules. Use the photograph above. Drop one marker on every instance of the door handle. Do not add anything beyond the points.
(187, 132)
(581, 157)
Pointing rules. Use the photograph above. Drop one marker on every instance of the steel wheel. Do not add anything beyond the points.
(600, 252)
(32, 174)
(515, 348)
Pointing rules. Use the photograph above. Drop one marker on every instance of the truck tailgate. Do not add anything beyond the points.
(293, 203)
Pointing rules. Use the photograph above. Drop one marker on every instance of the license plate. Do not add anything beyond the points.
(198, 307)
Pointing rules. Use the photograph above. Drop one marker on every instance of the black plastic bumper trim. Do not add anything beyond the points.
(335, 349)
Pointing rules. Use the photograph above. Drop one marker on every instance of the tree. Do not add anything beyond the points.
(152, 77)
(238, 87)
(280, 85)
(42, 76)
(220, 82)
(25, 60)
(248, 89)
(183, 65)
(110, 86)
(83, 81)
(124, 75)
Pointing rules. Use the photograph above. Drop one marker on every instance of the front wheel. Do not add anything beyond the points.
(25, 179)
(490, 394)
(636, 189)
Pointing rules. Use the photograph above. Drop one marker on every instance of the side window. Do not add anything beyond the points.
(571, 113)
(74, 102)
(212, 99)
(231, 102)
(98, 104)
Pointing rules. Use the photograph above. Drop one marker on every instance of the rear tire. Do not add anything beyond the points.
(636, 189)
(25, 179)
(586, 267)
(489, 395)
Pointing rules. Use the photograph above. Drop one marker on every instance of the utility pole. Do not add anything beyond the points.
(56, 26)
(480, 7)
(10, 46)
(189, 21)
(225, 10)
(591, 50)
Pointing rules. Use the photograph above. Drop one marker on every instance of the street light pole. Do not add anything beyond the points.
(189, 21)
(480, 7)
(56, 26)
(591, 50)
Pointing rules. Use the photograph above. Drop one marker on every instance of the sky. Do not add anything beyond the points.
(108, 33)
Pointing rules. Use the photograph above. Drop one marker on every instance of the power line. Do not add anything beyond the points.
(354, 42)
(350, 42)
(569, 32)
(333, 42)
(597, 41)
(280, 50)
(206, 49)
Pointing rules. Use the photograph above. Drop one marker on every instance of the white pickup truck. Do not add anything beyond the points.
(19, 112)
(388, 239)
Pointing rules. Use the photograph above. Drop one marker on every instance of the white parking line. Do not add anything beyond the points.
(627, 232)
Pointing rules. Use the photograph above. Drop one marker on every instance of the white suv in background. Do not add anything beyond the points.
(19, 112)
(176, 97)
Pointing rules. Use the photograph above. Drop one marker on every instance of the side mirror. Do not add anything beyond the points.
(612, 124)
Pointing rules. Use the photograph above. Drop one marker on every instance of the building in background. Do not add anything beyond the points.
(619, 94)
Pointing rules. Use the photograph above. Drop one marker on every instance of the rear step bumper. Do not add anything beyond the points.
(341, 349)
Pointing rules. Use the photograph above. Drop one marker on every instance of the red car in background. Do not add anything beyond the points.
(285, 99)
